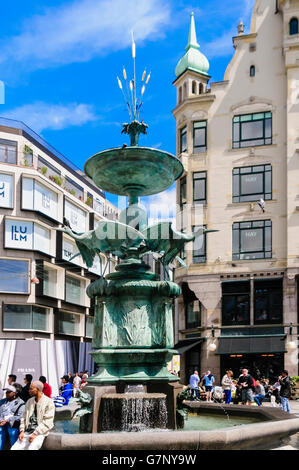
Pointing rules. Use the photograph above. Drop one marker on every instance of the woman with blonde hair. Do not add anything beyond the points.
(227, 384)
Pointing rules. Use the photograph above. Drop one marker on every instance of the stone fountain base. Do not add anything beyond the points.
(151, 395)
(133, 412)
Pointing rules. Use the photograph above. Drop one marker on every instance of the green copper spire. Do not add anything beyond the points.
(193, 59)
(192, 41)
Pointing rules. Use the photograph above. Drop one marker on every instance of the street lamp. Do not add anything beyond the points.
(291, 344)
(212, 346)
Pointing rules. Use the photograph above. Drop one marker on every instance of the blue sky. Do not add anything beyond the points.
(60, 58)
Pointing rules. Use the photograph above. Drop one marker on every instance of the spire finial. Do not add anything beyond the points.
(192, 41)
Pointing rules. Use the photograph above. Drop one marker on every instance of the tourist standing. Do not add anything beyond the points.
(11, 411)
(76, 384)
(246, 384)
(37, 420)
(208, 382)
(25, 395)
(193, 382)
(227, 384)
(259, 393)
(47, 390)
(285, 390)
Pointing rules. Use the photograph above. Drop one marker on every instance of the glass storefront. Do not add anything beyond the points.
(266, 365)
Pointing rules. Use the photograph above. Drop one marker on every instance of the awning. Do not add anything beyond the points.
(257, 345)
(187, 344)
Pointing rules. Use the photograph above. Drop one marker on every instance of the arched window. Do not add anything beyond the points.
(194, 87)
(294, 26)
(180, 94)
(184, 91)
(200, 91)
(252, 71)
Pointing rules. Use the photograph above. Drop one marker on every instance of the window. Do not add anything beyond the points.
(26, 317)
(250, 130)
(199, 136)
(49, 282)
(193, 314)
(183, 191)
(183, 140)
(252, 183)
(6, 190)
(14, 276)
(74, 290)
(236, 303)
(73, 188)
(76, 217)
(69, 249)
(200, 90)
(199, 247)
(252, 240)
(27, 156)
(89, 325)
(252, 71)
(268, 301)
(180, 95)
(46, 168)
(194, 87)
(294, 26)
(23, 235)
(68, 323)
(37, 197)
(199, 187)
(8, 151)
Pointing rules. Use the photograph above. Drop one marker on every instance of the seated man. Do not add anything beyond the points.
(37, 420)
(11, 411)
(66, 392)
(259, 393)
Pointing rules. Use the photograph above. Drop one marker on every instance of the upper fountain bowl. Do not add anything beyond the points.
(133, 171)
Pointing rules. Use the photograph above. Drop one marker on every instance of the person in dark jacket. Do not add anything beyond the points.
(285, 390)
(246, 383)
(24, 395)
(11, 411)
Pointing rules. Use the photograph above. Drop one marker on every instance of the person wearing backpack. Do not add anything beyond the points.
(11, 411)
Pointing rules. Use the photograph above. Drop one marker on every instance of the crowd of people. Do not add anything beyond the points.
(27, 412)
(243, 390)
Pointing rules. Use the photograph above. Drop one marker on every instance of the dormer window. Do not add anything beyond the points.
(294, 28)
(252, 71)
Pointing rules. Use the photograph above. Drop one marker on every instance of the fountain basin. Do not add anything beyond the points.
(274, 426)
(136, 170)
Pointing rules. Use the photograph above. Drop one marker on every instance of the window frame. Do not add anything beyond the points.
(203, 256)
(239, 172)
(12, 143)
(293, 21)
(25, 260)
(273, 290)
(200, 148)
(201, 178)
(249, 255)
(32, 306)
(67, 312)
(183, 133)
(235, 294)
(12, 176)
(237, 119)
(197, 322)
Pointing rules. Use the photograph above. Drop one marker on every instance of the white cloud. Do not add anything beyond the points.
(40, 116)
(161, 206)
(83, 29)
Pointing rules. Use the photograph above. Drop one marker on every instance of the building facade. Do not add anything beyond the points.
(238, 140)
(42, 287)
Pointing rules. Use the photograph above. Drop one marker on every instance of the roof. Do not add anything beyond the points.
(193, 59)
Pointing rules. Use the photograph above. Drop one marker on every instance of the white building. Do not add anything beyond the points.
(43, 290)
(239, 143)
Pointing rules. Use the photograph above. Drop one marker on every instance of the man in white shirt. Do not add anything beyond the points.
(77, 382)
(37, 420)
